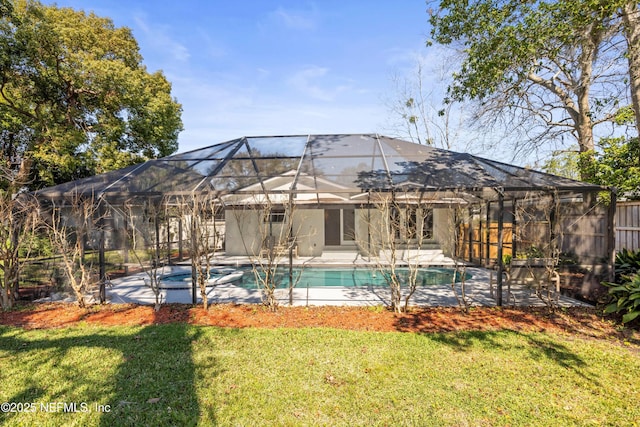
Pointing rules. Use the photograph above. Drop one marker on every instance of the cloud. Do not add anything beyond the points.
(159, 39)
(213, 48)
(307, 81)
(221, 108)
(295, 20)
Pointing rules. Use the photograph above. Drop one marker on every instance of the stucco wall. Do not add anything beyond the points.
(244, 237)
(368, 220)
(443, 229)
(308, 227)
(243, 234)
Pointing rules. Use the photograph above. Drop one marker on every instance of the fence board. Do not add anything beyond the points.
(628, 225)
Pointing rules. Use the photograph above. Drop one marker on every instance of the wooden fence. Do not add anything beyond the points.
(628, 225)
(580, 233)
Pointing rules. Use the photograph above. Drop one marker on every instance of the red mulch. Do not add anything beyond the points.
(586, 322)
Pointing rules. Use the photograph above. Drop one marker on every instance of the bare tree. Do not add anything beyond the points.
(538, 70)
(539, 249)
(201, 212)
(18, 222)
(418, 111)
(144, 236)
(69, 225)
(459, 215)
(631, 21)
(267, 232)
(400, 225)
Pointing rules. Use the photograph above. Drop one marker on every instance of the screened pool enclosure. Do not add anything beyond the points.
(272, 199)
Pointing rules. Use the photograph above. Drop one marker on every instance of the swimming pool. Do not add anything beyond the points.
(217, 276)
(314, 277)
(311, 277)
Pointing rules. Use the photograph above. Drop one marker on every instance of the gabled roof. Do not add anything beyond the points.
(347, 163)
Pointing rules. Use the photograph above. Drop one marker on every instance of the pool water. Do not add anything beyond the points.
(351, 277)
(217, 276)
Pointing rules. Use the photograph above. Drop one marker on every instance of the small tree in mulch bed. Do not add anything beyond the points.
(201, 211)
(144, 236)
(18, 221)
(69, 225)
(400, 226)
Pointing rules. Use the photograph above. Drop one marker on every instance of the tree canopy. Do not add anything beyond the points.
(552, 67)
(75, 98)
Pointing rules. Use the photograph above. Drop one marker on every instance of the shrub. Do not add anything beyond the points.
(624, 293)
(627, 264)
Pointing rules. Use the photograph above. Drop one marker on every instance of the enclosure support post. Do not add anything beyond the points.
(514, 229)
(14, 244)
(125, 246)
(611, 233)
(488, 236)
(553, 220)
(194, 254)
(368, 226)
(500, 233)
(470, 218)
(101, 259)
(168, 224)
(179, 239)
(480, 234)
(156, 261)
(290, 243)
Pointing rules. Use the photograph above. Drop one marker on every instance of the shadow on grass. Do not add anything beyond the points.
(154, 383)
(538, 348)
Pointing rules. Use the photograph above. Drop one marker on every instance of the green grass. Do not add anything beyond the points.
(186, 375)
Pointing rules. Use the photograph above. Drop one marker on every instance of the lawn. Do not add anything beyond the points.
(180, 374)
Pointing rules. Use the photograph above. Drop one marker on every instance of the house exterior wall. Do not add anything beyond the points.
(443, 229)
(373, 220)
(243, 235)
(308, 228)
(245, 231)
(368, 219)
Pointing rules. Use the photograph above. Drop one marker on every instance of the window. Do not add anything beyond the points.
(275, 217)
(348, 225)
(427, 224)
(407, 223)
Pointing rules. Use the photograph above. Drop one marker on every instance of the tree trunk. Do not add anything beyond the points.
(631, 19)
(591, 39)
(6, 298)
(584, 130)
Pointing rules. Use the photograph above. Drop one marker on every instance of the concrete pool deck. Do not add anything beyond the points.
(132, 289)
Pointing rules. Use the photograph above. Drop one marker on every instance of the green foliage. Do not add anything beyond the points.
(617, 164)
(564, 163)
(625, 115)
(35, 246)
(624, 293)
(505, 41)
(530, 253)
(76, 98)
(541, 62)
(627, 264)
(626, 298)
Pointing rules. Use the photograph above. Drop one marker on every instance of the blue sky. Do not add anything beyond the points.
(243, 68)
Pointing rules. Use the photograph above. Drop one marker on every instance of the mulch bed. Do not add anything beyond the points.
(580, 321)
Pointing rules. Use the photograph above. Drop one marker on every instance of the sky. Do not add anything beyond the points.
(248, 68)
